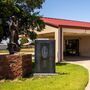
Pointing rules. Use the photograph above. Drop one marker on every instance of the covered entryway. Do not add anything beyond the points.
(72, 38)
(69, 41)
(76, 43)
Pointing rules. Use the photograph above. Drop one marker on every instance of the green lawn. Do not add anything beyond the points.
(27, 50)
(22, 50)
(3, 51)
(70, 77)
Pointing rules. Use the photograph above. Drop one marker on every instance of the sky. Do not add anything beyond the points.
(67, 9)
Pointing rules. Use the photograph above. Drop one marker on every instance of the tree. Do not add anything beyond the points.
(26, 13)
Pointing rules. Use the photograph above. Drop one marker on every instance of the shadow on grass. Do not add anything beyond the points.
(61, 64)
(63, 73)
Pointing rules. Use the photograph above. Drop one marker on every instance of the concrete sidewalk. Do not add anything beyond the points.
(86, 64)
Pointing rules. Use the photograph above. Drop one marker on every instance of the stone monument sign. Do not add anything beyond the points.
(45, 56)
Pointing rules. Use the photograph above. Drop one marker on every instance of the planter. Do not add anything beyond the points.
(14, 66)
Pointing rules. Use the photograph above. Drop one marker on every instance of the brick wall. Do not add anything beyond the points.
(13, 66)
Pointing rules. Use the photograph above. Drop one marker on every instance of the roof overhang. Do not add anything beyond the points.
(57, 23)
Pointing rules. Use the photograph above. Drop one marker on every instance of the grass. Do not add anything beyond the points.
(27, 50)
(3, 51)
(70, 77)
(22, 50)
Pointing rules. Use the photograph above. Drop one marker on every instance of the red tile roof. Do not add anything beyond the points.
(66, 23)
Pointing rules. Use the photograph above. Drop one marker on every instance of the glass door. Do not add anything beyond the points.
(72, 47)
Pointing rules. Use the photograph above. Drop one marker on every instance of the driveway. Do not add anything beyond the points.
(84, 61)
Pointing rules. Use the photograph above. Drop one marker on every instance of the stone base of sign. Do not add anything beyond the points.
(45, 74)
(14, 66)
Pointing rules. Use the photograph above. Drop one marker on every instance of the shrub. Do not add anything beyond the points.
(24, 40)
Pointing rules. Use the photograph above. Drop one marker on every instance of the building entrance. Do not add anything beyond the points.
(71, 47)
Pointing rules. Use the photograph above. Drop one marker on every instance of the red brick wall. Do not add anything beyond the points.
(13, 66)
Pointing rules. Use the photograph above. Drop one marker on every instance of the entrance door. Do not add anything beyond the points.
(72, 47)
